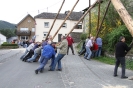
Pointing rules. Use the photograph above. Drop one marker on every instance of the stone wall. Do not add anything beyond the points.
(112, 56)
(76, 36)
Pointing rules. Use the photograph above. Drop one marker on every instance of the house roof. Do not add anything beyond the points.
(73, 16)
(25, 18)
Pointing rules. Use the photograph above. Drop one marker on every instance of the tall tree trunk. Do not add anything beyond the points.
(125, 16)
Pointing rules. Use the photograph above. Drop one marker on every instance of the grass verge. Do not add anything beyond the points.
(111, 61)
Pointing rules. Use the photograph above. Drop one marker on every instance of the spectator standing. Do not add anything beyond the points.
(70, 44)
(121, 50)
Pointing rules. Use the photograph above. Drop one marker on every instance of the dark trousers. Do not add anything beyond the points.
(71, 46)
(120, 60)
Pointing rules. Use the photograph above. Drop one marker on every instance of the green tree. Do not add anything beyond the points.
(8, 32)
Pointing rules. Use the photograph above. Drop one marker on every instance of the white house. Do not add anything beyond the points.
(44, 22)
(2, 38)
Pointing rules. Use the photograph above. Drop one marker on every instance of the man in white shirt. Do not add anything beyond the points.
(88, 50)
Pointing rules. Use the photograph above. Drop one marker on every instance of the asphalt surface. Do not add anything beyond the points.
(77, 72)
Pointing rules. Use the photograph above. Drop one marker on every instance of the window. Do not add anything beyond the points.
(24, 29)
(33, 29)
(64, 25)
(45, 34)
(24, 37)
(29, 21)
(46, 24)
(79, 26)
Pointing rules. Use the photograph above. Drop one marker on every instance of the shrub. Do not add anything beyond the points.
(9, 45)
(83, 36)
(112, 38)
(5, 42)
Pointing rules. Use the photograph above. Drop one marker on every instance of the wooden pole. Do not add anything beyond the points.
(55, 19)
(65, 19)
(89, 18)
(103, 18)
(98, 16)
(82, 17)
(127, 19)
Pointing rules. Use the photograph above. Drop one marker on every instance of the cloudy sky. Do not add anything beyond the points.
(14, 11)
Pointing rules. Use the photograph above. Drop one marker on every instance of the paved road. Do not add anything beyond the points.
(77, 73)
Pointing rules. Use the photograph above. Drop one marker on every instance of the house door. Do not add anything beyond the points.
(59, 37)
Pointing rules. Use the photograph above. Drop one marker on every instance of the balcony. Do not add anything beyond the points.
(23, 33)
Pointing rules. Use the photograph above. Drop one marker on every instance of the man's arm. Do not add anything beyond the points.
(60, 46)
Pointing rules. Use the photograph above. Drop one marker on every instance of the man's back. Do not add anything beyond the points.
(48, 51)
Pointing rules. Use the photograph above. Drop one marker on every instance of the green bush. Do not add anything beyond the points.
(83, 36)
(112, 38)
(9, 45)
(5, 42)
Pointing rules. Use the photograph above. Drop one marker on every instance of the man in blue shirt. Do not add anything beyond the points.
(99, 43)
(48, 53)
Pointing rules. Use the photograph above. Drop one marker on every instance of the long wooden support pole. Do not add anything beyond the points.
(98, 15)
(89, 18)
(55, 19)
(99, 29)
(82, 17)
(65, 19)
(127, 19)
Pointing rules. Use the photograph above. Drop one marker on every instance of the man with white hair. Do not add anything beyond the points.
(48, 53)
(63, 50)
(88, 50)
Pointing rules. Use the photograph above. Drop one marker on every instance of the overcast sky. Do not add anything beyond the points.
(14, 11)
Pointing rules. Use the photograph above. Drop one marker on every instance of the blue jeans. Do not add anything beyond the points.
(98, 53)
(93, 53)
(57, 59)
(26, 51)
(52, 62)
(43, 62)
(88, 53)
(40, 56)
(33, 57)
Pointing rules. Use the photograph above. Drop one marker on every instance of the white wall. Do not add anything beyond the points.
(40, 28)
(2, 39)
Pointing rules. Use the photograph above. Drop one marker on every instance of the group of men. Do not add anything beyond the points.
(47, 50)
(91, 47)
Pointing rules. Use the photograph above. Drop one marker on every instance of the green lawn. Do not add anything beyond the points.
(111, 61)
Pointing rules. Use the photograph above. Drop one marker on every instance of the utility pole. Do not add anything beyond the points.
(47, 9)
(38, 11)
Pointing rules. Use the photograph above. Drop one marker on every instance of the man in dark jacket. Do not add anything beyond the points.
(121, 50)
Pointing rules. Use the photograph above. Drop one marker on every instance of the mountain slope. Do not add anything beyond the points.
(6, 25)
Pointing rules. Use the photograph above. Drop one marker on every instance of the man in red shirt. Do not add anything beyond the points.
(70, 44)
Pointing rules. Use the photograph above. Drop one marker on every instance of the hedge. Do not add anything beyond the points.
(9, 44)
(9, 47)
